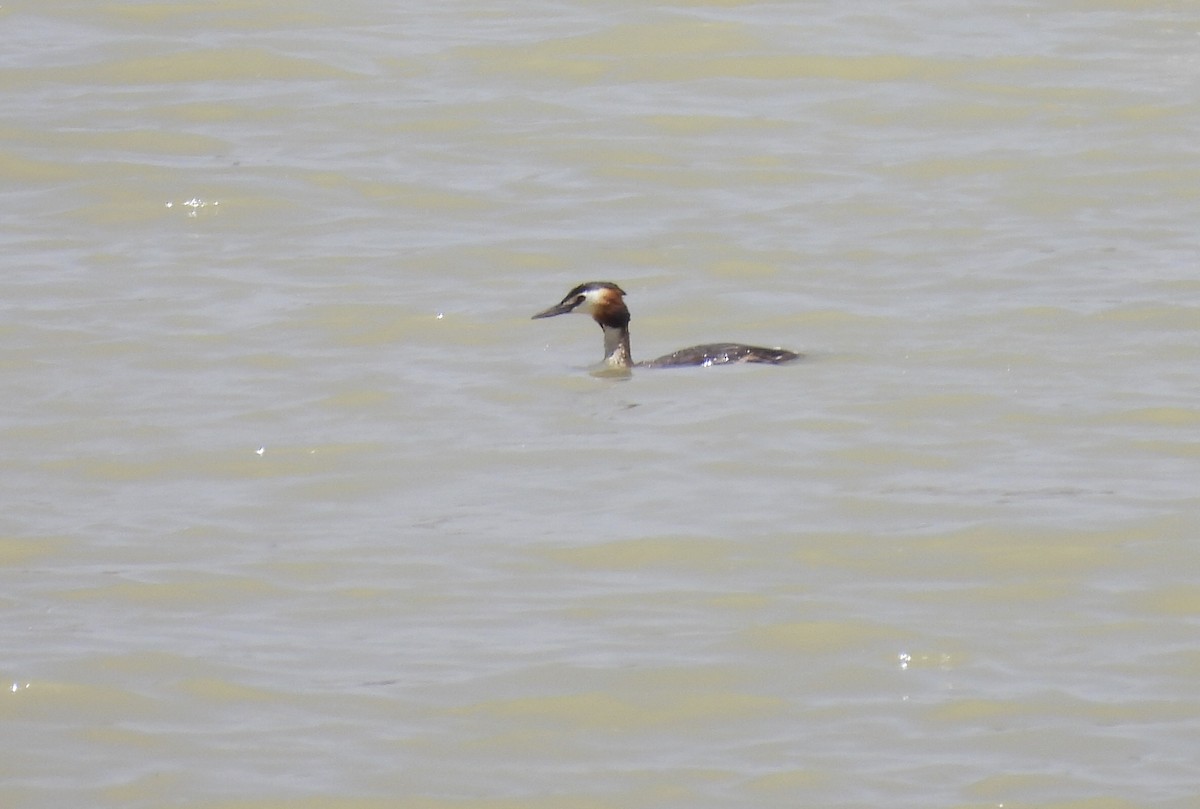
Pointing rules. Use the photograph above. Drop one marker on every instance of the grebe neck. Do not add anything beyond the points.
(616, 346)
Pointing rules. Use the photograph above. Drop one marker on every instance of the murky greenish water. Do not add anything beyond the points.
(302, 510)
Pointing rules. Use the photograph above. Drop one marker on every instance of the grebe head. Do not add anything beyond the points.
(602, 300)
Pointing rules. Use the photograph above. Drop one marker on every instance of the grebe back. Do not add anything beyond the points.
(604, 302)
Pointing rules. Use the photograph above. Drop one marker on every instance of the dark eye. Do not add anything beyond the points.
(580, 299)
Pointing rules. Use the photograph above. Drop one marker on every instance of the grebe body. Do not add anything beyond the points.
(605, 303)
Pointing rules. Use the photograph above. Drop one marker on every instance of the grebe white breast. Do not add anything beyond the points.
(605, 302)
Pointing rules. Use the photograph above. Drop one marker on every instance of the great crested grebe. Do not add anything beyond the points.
(604, 301)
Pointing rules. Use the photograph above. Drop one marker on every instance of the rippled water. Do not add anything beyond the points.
(303, 510)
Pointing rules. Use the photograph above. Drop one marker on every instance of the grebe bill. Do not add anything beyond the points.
(604, 301)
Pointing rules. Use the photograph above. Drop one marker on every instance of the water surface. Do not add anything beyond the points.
(303, 510)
